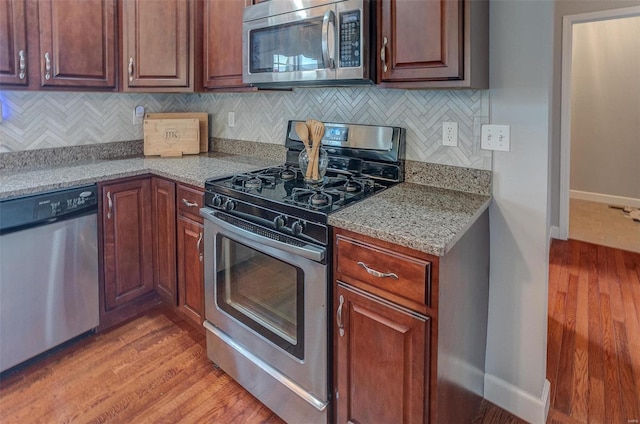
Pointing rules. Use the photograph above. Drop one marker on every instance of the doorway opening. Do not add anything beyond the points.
(600, 153)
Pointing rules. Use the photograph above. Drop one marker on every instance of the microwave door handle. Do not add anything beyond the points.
(329, 18)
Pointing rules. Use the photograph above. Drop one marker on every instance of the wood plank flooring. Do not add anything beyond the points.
(154, 369)
(593, 344)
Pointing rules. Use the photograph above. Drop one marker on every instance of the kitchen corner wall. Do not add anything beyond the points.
(36, 120)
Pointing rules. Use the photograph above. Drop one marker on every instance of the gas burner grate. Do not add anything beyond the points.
(316, 198)
(351, 184)
(284, 173)
(253, 181)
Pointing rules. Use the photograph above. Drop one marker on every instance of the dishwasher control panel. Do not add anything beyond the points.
(21, 212)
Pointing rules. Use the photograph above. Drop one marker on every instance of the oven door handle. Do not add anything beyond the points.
(307, 251)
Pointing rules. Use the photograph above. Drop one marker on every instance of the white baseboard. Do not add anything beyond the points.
(516, 401)
(604, 198)
(554, 232)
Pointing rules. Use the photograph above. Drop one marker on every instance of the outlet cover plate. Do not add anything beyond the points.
(496, 137)
(450, 134)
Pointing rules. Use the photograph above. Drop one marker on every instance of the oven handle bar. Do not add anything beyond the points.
(307, 251)
(291, 385)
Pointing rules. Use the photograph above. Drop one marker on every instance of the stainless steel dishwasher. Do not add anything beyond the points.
(48, 271)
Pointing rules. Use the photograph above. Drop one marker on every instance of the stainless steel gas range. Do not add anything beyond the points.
(267, 265)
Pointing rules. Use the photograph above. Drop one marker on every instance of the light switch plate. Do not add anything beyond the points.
(496, 137)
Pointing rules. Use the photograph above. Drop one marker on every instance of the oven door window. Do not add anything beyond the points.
(262, 292)
(289, 47)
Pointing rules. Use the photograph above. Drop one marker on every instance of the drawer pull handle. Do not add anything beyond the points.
(189, 204)
(47, 66)
(130, 69)
(339, 317)
(110, 203)
(377, 273)
(198, 246)
(23, 64)
(383, 56)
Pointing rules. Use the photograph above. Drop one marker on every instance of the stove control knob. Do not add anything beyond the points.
(229, 205)
(279, 221)
(217, 201)
(297, 227)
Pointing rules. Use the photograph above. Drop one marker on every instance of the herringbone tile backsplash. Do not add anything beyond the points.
(40, 120)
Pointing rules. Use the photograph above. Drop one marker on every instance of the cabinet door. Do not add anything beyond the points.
(128, 269)
(381, 372)
(163, 205)
(157, 40)
(421, 40)
(78, 43)
(13, 42)
(191, 269)
(222, 62)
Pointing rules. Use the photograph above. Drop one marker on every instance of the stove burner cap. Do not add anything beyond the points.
(319, 199)
(287, 174)
(253, 183)
(352, 186)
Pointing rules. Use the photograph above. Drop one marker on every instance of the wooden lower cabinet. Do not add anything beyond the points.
(410, 329)
(163, 199)
(191, 269)
(383, 353)
(127, 241)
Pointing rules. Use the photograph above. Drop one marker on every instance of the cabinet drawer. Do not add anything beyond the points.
(190, 200)
(400, 275)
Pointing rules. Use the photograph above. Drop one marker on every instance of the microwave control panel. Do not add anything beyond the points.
(350, 39)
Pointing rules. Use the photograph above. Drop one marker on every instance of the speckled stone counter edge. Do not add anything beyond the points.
(469, 180)
(69, 154)
(444, 176)
(248, 148)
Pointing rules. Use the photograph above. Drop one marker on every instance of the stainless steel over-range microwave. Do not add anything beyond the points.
(289, 43)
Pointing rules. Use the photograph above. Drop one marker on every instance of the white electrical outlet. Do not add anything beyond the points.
(450, 134)
(496, 137)
(138, 115)
(231, 119)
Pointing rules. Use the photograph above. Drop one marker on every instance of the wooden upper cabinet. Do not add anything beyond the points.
(439, 43)
(222, 46)
(13, 43)
(158, 45)
(77, 43)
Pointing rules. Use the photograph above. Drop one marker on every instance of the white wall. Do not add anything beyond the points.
(521, 47)
(605, 107)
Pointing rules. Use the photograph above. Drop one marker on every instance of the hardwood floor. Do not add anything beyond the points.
(593, 345)
(153, 369)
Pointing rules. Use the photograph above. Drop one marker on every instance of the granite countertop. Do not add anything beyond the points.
(421, 217)
(193, 170)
